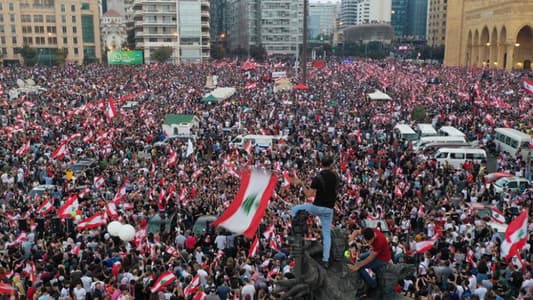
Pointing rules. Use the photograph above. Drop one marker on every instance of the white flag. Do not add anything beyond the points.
(190, 148)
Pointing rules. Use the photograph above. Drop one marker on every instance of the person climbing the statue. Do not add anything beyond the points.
(324, 187)
(378, 255)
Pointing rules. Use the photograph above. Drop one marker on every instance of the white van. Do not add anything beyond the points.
(425, 129)
(509, 140)
(262, 141)
(404, 133)
(422, 142)
(456, 157)
(450, 131)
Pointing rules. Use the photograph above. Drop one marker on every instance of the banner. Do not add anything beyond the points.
(280, 74)
(125, 57)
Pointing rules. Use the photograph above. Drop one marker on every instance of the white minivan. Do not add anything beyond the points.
(261, 141)
(450, 131)
(422, 142)
(425, 129)
(510, 140)
(404, 133)
(456, 157)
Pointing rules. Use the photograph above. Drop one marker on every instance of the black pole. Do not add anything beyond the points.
(304, 45)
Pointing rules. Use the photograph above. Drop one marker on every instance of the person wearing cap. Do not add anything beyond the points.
(248, 290)
(324, 187)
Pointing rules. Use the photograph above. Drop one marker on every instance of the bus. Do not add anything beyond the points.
(510, 140)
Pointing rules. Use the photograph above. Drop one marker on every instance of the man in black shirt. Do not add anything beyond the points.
(324, 186)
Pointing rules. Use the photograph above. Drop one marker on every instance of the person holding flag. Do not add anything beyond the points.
(324, 187)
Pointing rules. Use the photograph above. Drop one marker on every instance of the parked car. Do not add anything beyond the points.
(41, 189)
(511, 183)
(82, 165)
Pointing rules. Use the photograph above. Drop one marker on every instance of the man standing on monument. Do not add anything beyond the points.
(324, 187)
(377, 257)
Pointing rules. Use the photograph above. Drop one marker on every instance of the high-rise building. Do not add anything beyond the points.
(49, 26)
(417, 18)
(356, 12)
(219, 22)
(436, 24)
(399, 17)
(182, 25)
(322, 19)
(275, 25)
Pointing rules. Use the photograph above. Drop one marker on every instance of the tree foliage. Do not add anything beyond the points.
(218, 52)
(419, 114)
(61, 56)
(162, 54)
(258, 52)
(29, 55)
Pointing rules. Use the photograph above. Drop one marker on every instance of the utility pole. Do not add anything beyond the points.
(304, 45)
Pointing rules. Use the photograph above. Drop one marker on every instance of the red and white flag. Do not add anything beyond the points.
(254, 247)
(247, 209)
(76, 249)
(248, 147)
(286, 179)
(45, 207)
(200, 296)
(7, 289)
(274, 245)
(70, 206)
(25, 148)
(192, 287)
(269, 231)
(111, 210)
(470, 257)
(94, 221)
(99, 181)
(528, 85)
(60, 152)
(73, 136)
(425, 246)
(172, 159)
(171, 250)
(197, 173)
(110, 109)
(497, 216)
(250, 86)
(120, 195)
(515, 236)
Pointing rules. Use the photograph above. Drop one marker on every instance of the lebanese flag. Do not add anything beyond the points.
(250, 86)
(73, 136)
(470, 257)
(192, 287)
(110, 109)
(515, 236)
(99, 181)
(95, 221)
(115, 269)
(25, 148)
(274, 245)
(528, 85)
(247, 209)
(253, 247)
(171, 250)
(120, 195)
(60, 152)
(248, 147)
(286, 179)
(7, 289)
(196, 174)
(45, 207)
(172, 159)
(200, 296)
(425, 246)
(497, 216)
(70, 206)
(76, 249)
(111, 210)
(269, 231)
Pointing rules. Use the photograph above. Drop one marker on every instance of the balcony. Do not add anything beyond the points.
(205, 14)
(206, 3)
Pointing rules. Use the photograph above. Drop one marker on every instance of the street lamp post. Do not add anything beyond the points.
(304, 45)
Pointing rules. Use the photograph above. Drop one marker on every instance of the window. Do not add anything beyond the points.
(3, 40)
(442, 155)
(11, 7)
(12, 18)
(27, 40)
(52, 40)
(39, 29)
(38, 19)
(51, 29)
(87, 27)
(75, 40)
(76, 51)
(14, 40)
(26, 29)
(74, 29)
(39, 40)
(73, 19)
(13, 29)
(73, 8)
(0, 5)
(65, 41)
(64, 19)
(50, 18)
(2, 29)
(85, 6)
(25, 18)
(64, 29)
(62, 7)
(457, 155)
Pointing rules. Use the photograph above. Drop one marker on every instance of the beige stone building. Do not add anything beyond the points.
(50, 25)
(436, 26)
(490, 33)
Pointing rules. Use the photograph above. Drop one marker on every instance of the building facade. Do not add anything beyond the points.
(275, 25)
(399, 17)
(436, 23)
(50, 26)
(322, 19)
(356, 12)
(490, 33)
(181, 25)
(417, 19)
(113, 31)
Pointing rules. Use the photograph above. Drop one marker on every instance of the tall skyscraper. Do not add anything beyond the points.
(436, 24)
(322, 19)
(49, 26)
(277, 26)
(182, 25)
(417, 18)
(399, 17)
(356, 12)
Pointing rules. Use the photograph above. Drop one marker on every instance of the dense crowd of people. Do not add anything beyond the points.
(46, 255)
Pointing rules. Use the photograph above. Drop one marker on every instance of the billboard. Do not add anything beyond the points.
(120, 57)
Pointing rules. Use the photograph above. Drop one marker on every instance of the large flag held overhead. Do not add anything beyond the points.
(164, 279)
(515, 236)
(110, 109)
(425, 246)
(94, 221)
(70, 206)
(528, 85)
(247, 209)
(60, 152)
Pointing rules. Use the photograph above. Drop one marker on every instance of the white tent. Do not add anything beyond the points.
(222, 93)
(379, 95)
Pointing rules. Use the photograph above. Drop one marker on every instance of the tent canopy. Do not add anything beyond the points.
(209, 98)
(378, 95)
(301, 86)
(219, 94)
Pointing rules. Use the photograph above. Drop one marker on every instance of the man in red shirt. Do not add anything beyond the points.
(376, 258)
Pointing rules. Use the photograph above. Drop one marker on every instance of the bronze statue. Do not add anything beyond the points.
(313, 282)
